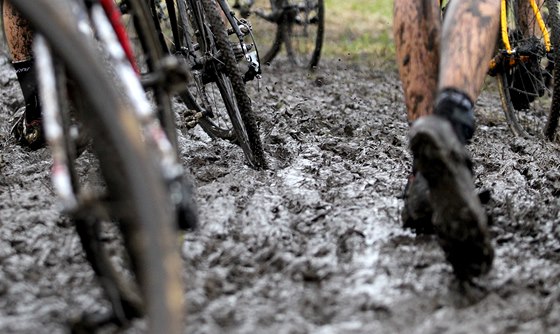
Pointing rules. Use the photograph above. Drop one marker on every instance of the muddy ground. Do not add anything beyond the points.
(315, 244)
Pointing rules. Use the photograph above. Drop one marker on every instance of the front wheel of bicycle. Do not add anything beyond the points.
(296, 25)
(131, 190)
(526, 79)
(221, 88)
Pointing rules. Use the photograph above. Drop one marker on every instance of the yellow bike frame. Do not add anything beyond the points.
(505, 35)
(540, 21)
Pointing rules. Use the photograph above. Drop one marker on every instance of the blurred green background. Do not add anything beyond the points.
(359, 31)
(356, 30)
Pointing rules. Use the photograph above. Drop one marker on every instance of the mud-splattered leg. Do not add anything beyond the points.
(437, 142)
(19, 35)
(416, 28)
(468, 39)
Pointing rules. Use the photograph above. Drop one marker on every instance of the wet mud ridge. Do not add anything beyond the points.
(315, 244)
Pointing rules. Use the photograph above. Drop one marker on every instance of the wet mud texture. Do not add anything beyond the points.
(315, 244)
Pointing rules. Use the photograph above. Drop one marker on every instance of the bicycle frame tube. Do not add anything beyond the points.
(540, 21)
(504, 27)
(173, 21)
(542, 26)
(114, 16)
(227, 12)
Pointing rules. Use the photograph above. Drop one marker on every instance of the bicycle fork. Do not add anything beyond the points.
(242, 28)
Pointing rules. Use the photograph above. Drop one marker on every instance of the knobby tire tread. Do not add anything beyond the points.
(554, 25)
(230, 68)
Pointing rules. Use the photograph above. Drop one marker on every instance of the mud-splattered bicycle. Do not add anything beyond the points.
(140, 187)
(221, 56)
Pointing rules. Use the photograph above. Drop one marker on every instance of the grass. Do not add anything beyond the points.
(359, 31)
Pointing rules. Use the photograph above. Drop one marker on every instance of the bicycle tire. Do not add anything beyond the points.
(554, 22)
(525, 88)
(214, 116)
(151, 52)
(303, 48)
(181, 24)
(242, 117)
(218, 89)
(133, 182)
(160, 74)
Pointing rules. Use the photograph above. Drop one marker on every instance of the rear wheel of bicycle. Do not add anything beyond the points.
(133, 192)
(222, 110)
(297, 26)
(526, 82)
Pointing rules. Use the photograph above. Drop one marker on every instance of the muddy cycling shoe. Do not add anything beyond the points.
(417, 210)
(458, 217)
(416, 213)
(28, 134)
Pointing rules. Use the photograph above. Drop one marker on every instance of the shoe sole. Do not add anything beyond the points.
(459, 219)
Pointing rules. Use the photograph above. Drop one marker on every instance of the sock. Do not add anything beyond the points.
(457, 107)
(25, 71)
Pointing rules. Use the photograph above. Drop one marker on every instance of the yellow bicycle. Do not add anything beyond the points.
(525, 65)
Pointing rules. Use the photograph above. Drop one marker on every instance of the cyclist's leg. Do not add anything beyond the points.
(19, 37)
(468, 38)
(416, 28)
(466, 52)
(464, 60)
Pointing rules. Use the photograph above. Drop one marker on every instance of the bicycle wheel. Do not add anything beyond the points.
(160, 75)
(230, 83)
(134, 192)
(217, 92)
(525, 78)
(150, 56)
(297, 25)
(208, 95)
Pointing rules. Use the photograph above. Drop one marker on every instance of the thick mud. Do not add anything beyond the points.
(315, 244)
